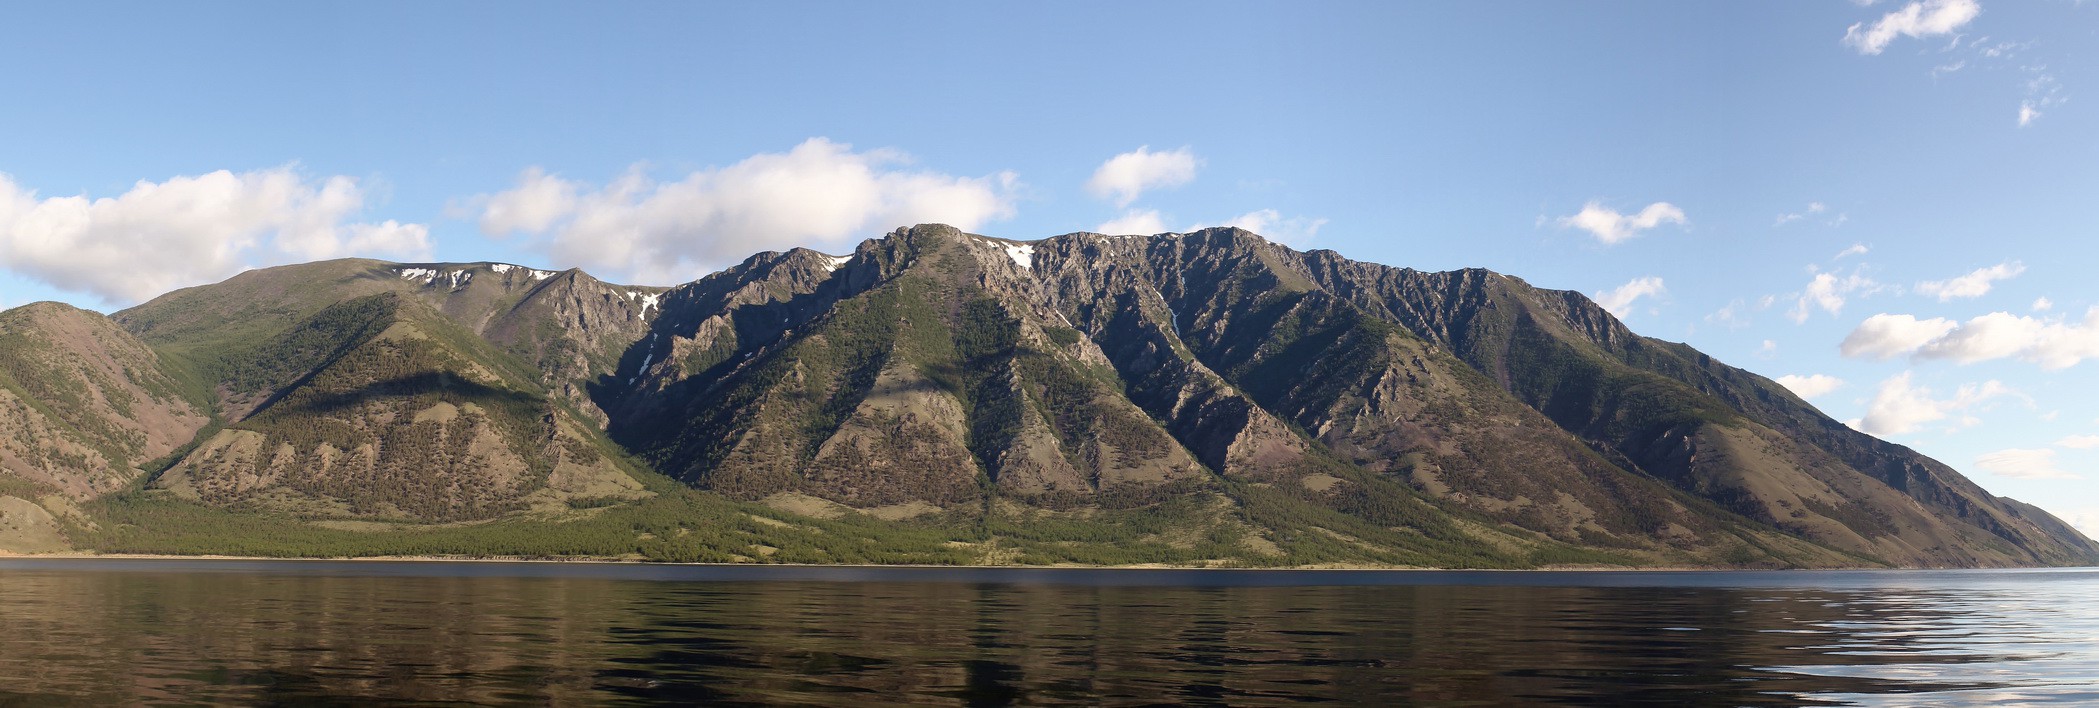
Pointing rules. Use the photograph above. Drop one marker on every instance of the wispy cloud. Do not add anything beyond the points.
(1829, 291)
(1812, 208)
(1972, 285)
(2019, 463)
(2079, 442)
(1733, 315)
(1619, 300)
(2043, 92)
(1917, 20)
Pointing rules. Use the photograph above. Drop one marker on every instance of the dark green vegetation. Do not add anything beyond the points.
(946, 398)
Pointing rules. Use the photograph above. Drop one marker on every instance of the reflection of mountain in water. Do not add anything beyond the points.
(130, 637)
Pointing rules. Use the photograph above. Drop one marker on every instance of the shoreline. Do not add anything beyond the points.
(69, 556)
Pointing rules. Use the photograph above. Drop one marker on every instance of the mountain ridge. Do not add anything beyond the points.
(1205, 398)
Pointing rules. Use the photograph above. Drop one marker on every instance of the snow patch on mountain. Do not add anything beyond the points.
(1021, 253)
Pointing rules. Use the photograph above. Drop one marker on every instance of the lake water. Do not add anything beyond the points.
(109, 631)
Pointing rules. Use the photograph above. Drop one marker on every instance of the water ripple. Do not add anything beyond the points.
(222, 632)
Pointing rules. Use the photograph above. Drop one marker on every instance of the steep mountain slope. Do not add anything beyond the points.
(1671, 413)
(897, 376)
(932, 374)
(1373, 394)
(938, 396)
(83, 403)
(380, 407)
(570, 327)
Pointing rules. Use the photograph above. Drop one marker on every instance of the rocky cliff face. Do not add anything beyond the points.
(1669, 412)
(927, 367)
(1352, 385)
(1208, 394)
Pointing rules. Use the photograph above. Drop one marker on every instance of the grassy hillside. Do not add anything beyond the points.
(943, 397)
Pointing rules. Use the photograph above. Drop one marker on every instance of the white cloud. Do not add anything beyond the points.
(1830, 292)
(2021, 463)
(1810, 386)
(2079, 442)
(2042, 92)
(537, 202)
(1268, 223)
(2043, 304)
(1975, 284)
(1127, 176)
(1731, 315)
(1140, 222)
(1992, 336)
(1856, 249)
(2053, 343)
(820, 194)
(2086, 520)
(1619, 300)
(1928, 18)
(1611, 227)
(1767, 350)
(1271, 224)
(1943, 69)
(190, 230)
(1812, 208)
(1899, 408)
(1886, 336)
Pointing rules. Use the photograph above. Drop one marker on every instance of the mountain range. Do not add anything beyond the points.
(1209, 398)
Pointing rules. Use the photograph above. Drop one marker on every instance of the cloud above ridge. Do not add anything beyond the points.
(1811, 386)
(191, 230)
(1899, 407)
(1125, 177)
(1619, 300)
(2020, 463)
(820, 194)
(1611, 227)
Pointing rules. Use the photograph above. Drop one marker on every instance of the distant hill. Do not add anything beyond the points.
(939, 397)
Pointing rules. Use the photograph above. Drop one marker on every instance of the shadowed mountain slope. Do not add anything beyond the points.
(1206, 398)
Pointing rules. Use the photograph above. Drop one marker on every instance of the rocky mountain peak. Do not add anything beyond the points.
(1276, 405)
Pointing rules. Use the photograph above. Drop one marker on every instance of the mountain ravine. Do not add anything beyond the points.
(1208, 398)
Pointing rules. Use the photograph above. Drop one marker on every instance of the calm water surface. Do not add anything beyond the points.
(361, 633)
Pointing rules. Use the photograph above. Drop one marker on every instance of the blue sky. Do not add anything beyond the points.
(1897, 197)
